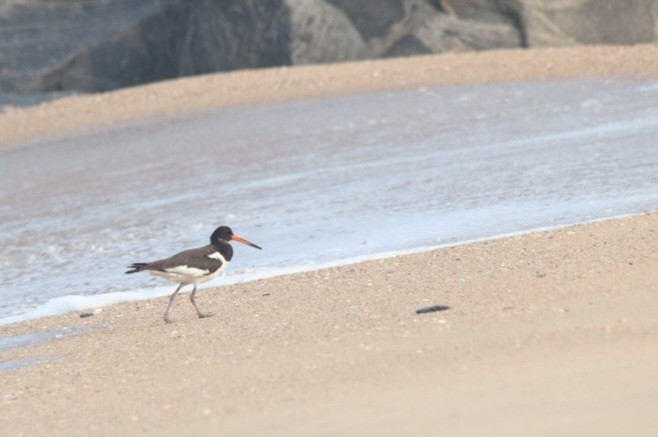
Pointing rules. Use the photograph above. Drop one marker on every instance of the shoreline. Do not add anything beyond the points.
(194, 95)
(85, 303)
(568, 314)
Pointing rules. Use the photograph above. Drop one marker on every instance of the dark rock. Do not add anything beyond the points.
(413, 27)
(486, 11)
(186, 38)
(443, 33)
(322, 33)
(408, 45)
(372, 19)
(97, 45)
(38, 35)
(590, 22)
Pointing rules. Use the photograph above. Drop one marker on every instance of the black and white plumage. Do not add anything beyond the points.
(194, 266)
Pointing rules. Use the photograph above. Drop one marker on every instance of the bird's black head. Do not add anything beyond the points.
(225, 234)
(222, 233)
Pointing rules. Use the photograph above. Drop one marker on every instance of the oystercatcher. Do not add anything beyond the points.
(194, 266)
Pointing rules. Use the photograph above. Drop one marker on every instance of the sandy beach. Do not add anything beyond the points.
(202, 93)
(547, 333)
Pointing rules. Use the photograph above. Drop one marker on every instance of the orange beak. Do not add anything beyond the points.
(243, 241)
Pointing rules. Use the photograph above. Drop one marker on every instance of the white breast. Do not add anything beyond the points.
(214, 274)
(217, 255)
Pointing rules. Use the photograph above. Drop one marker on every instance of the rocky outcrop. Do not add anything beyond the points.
(321, 32)
(566, 22)
(569, 22)
(97, 45)
(182, 39)
(39, 35)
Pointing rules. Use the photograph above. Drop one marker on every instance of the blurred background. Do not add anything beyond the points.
(53, 47)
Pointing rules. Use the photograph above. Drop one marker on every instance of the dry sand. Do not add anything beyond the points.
(551, 333)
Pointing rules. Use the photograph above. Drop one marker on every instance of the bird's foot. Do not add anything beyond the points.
(167, 319)
(203, 315)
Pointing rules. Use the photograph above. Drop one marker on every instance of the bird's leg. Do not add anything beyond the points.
(171, 300)
(193, 300)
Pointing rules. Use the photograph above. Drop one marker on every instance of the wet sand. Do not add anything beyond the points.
(548, 333)
(198, 94)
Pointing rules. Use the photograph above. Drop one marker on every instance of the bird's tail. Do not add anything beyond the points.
(136, 267)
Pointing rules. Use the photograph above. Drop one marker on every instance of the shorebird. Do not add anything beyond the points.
(194, 266)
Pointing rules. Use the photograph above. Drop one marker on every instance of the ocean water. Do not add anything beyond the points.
(317, 183)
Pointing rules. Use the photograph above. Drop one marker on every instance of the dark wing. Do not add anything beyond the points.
(193, 262)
